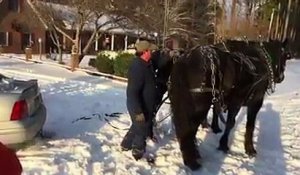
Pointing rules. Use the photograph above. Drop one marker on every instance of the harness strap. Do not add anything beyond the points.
(226, 49)
(203, 90)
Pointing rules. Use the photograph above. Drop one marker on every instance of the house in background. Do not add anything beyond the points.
(116, 38)
(18, 29)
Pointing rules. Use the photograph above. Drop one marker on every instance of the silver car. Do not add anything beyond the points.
(22, 111)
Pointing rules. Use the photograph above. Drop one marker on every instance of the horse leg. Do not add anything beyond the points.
(215, 122)
(196, 121)
(186, 135)
(251, 118)
(232, 112)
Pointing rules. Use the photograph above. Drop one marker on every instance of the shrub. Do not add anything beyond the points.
(110, 54)
(121, 63)
(104, 64)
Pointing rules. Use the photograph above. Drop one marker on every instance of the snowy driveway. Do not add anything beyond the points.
(91, 147)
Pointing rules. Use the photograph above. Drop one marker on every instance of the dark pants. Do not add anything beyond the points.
(138, 133)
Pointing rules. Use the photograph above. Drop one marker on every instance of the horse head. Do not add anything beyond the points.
(275, 51)
(162, 61)
(279, 53)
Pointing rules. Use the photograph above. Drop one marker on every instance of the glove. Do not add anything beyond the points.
(140, 117)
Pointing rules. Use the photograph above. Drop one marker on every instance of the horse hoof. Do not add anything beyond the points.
(224, 149)
(205, 125)
(251, 152)
(193, 165)
(216, 130)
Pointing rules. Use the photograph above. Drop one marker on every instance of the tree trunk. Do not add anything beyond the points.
(271, 24)
(249, 9)
(74, 58)
(296, 48)
(277, 22)
(294, 20)
(75, 51)
(88, 45)
(55, 39)
(288, 12)
(223, 23)
(60, 60)
(233, 18)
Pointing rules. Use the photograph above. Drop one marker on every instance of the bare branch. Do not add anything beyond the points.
(63, 33)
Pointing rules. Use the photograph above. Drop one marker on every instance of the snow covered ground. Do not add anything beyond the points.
(91, 146)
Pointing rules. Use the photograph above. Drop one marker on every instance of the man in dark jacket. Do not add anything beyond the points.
(141, 99)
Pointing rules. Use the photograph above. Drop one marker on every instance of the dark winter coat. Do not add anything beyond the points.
(141, 88)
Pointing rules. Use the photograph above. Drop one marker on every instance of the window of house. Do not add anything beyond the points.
(4, 38)
(13, 5)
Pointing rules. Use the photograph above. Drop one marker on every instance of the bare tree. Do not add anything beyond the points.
(79, 15)
(42, 15)
(233, 16)
(286, 23)
(146, 15)
(191, 20)
(198, 19)
(54, 35)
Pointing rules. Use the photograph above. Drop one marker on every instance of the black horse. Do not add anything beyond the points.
(209, 75)
(265, 51)
(162, 62)
(270, 65)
